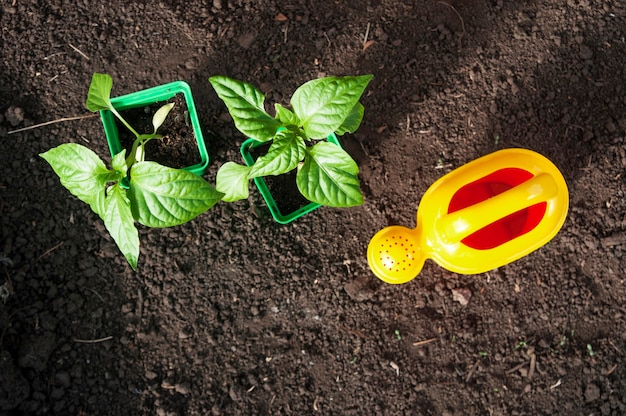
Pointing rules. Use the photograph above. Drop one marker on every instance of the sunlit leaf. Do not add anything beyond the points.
(284, 154)
(353, 121)
(81, 172)
(328, 176)
(118, 163)
(322, 105)
(286, 116)
(119, 221)
(99, 95)
(161, 114)
(245, 104)
(164, 197)
(232, 181)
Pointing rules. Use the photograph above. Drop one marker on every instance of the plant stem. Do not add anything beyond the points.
(119, 116)
(141, 140)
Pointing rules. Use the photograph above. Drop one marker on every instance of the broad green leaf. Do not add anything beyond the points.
(81, 172)
(323, 104)
(159, 117)
(286, 151)
(118, 220)
(164, 197)
(246, 106)
(353, 121)
(286, 116)
(118, 163)
(99, 95)
(328, 176)
(232, 181)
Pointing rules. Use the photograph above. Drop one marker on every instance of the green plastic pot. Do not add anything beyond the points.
(150, 96)
(261, 184)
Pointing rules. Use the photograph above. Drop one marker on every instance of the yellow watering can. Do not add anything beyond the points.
(481, 216)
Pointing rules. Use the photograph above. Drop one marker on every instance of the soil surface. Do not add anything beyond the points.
(234, 314)
(178, 148)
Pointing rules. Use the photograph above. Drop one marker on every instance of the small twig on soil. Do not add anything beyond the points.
(614, 240)
(555, 385)
(352, 331)
(47, 123)
(79, 51)
(613, 345)
(327, 39)
(574, 126)
(53, 55)
(92, 341)
(367, 33)
(514, 369)
(50, 250)
(460, 18)
(531, 370)
(610, 370)
(139, 303)
(472, 370)
(90, 289)
(363, 148)
(426, 341)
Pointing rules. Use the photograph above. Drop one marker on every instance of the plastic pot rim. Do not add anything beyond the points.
(149, 96)
(261, 184)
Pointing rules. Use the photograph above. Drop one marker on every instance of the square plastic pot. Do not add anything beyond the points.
(150, 96)
(261, 184)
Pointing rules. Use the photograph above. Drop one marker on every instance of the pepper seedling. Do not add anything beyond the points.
(326, 174)
(156, 196)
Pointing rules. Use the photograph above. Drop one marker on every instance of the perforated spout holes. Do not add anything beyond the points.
(394, 254)
(397, 254)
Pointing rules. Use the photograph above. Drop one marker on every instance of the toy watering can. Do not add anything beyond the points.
(476, 218)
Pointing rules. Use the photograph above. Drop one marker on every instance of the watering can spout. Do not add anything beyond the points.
(395, 254)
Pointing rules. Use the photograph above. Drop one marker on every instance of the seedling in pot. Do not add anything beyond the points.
(156, 196)
(326, 174)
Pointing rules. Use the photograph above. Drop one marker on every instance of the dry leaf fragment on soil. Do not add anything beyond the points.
(461, 295)
(368, 44)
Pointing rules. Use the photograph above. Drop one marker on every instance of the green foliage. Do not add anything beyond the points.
(158, 196)
(164, 197)
(245, 104)
(326, 173)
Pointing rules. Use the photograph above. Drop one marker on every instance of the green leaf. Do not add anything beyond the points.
(81, 172)
(164, 197)
(232, 181)
(286, 116)
(118, 220)
(353, 121)
(286, 151)
(246, 106)
(118, 163)
(323, 104)
(161, 114)
(99, 95)
(328, 176)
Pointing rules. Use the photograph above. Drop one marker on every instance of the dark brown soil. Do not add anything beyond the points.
(234, 314)
(178, 148)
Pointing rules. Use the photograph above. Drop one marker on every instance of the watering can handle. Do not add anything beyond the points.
(457, 225)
